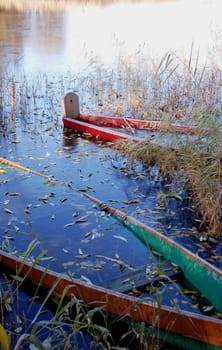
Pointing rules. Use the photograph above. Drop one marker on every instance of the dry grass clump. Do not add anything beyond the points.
(195, 162)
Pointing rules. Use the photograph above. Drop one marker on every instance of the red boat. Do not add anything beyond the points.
(99, 127)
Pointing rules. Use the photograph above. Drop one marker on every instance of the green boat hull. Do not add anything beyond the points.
(204, 276)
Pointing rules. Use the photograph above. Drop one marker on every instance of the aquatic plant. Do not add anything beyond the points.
(192, 161)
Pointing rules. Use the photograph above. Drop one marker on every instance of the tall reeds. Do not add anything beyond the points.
(171, 89)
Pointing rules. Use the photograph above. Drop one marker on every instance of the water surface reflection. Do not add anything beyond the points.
(56, 41)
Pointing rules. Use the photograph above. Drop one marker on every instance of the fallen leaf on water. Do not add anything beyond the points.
(4, 181)
(82, 219)
(120, 237)
(2, 171)
(87, 234)
(98, 267)
(44, 199)
(65, 250)
(7, 211)
(82, 256)
(69, 224)
(15, 194)
(15, 141)
(83, 189)
(86, 279)
(132, 201)
(174, 195)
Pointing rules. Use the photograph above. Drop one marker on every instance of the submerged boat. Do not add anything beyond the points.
(102, 127)
(177, 327)
(189, 330)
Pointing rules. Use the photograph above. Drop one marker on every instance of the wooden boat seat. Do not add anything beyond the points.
(143, 277)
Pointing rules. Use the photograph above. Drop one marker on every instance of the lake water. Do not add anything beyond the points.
(55, 41)
(46, 51)
(47, 44)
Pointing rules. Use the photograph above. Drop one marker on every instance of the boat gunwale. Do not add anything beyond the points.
(200, 328)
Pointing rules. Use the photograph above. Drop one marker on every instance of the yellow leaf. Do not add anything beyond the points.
(3, 339)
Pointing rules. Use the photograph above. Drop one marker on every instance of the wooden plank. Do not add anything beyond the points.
(141, 278)
(70, 105)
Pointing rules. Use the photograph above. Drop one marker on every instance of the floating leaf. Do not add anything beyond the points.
(65, 250)
(132, 201)
(4, 181)
(15, 194)
(63, 200)
(174, 195)
(69, 224)
(86, 279)
(87, 234)
(50, 182)
(82, 256)
(15, 141)
(120, 238)
(83, 189)
(82, 219)
(98, 267)
(208, 309)
(8, 211)
(2, 171)
(44, 199)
